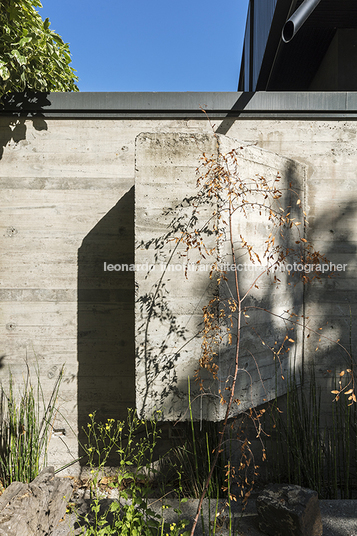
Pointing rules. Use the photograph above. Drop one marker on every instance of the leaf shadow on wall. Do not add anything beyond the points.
(333, 300)
(106, 356)
(161, 360)
(269, 303)
(16, 109)
(275, 313)
(158, 360)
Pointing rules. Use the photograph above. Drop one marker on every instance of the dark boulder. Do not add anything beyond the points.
(289, 510)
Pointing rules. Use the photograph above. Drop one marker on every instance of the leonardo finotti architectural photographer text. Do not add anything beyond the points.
(192, 267)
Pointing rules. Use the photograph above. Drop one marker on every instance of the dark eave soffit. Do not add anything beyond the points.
(291, 66)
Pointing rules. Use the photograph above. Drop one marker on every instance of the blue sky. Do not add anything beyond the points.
(157, 45)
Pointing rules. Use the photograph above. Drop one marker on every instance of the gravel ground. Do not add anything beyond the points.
(339, 517)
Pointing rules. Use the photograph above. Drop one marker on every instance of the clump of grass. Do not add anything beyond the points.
(304, 450)
(25, 425)
(189, 463)
(191, 459)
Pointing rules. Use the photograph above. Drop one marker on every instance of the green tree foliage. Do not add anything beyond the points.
(32, 56)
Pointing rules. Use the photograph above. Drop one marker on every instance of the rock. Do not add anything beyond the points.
(288, 509)
(35, 508)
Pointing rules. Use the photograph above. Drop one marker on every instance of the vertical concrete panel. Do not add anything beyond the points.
(169, 306)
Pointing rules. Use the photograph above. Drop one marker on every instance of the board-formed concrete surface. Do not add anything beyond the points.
(169, 307)
(67, 177)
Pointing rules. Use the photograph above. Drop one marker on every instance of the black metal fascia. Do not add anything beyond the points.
(245, 105)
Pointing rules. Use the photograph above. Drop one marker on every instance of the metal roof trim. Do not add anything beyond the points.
(189, 104)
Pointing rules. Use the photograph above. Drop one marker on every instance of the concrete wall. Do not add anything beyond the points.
(170, 301)
(67, 206)
(328, 149)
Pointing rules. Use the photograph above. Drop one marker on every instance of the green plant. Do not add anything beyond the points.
(198, 446)
(133, 442)
(25, 427)
(32, 56)
(192, 458)
(190, 463)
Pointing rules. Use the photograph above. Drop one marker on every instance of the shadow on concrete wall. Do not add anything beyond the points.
(231, 117)
(263, 373)
(329, 306)
(106, 356)
(161, 362)
(15, 110)
(332, 296)
(335, 297)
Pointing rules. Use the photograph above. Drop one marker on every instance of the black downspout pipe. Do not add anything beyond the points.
(298, 18)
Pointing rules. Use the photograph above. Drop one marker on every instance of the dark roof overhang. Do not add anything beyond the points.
(292, 66)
